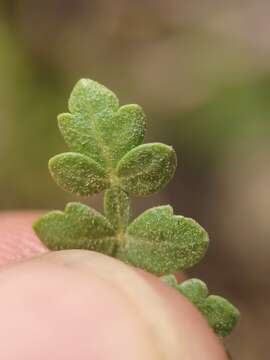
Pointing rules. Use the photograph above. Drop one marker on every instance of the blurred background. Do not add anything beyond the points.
(202, 74)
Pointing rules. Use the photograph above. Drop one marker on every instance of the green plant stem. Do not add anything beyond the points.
(117, 209)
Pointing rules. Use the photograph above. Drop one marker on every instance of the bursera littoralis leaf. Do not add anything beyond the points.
(78, 227)
(161, 242)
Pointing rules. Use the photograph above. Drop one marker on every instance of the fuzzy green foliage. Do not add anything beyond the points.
(79, 227)
(97, 127)
(78, 174)
(106, 153)
(221, 315)
(147, 168)
(161, 242)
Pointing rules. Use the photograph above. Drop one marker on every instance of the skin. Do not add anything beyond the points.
(83, 305)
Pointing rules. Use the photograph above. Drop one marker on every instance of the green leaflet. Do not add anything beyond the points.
(97, 127)
(78, 174)
(161, 242)
(147, 168)
(93, 99)
(123, 132)
(195, 290)
(78, 227)
(221, 315)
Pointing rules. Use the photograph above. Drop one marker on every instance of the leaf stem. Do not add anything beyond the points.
(117, 209)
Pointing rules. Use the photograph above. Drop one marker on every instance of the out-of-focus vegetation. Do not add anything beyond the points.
(201, 73)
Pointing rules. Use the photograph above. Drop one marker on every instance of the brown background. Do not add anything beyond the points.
(201, 71)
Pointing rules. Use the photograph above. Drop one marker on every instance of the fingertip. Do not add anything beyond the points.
(18, 240)
(83, 305)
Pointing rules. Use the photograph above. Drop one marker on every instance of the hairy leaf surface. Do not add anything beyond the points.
(195, 290)
(78, 174)
(97, 127)
(147, 168)
(78, 227)
(161, 242)
(222, 316)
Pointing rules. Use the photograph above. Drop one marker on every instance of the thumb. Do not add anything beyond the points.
(82, 305)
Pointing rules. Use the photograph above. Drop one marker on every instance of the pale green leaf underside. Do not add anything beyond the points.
(161, 242)
(97, 127)
(78, 174)
(221, 315)
(147, 168)
(78, 227)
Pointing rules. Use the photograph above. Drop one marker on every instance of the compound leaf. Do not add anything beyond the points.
(78, 227)
(78, 174)
(161, 242)
(147, 168)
